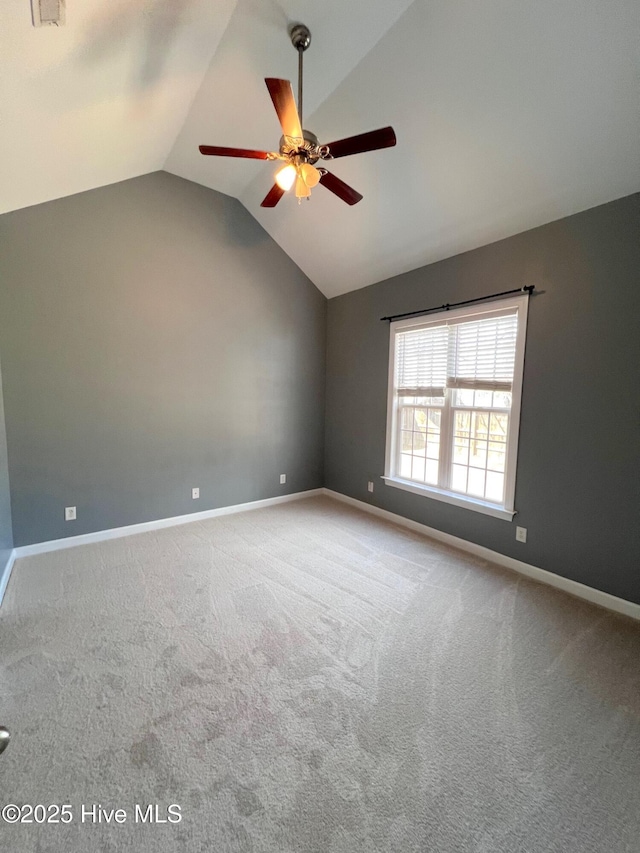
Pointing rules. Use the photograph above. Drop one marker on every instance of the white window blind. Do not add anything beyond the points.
(479, 354)
(421, 362)
(482, 353)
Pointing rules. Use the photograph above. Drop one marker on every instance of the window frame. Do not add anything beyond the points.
(506, 510)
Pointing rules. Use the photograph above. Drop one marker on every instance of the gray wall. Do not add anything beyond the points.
(578, 480)
(6, 537)
(153, 337)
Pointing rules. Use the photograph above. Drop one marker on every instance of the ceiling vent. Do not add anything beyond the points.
(47, 13)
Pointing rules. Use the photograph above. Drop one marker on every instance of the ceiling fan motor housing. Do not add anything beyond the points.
(308, 149)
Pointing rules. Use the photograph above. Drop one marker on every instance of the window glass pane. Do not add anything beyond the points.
(495, 487)
(499, 425)
(468, 398)
(483, 398)
(434, 419)
(429, 401)
(420, 419)
(431, 475)
(463, 397)
(405, 466)
(478, 454)
(459, 478)
(407, 417)
(479, 425)
(419, 443)
(433, 449)
(475, 484)
(461, 451)
(417, 468)
(419, 436)
(496, 456)
(502, 399)
(463, 423)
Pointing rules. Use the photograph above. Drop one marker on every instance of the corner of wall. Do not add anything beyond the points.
(6, 524)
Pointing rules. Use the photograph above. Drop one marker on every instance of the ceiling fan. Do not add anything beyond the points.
(299, 149)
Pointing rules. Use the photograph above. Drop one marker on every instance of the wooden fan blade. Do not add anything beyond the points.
(339, 188)
(249, 153)
(384, 137)
(272, 197)
(285, 104)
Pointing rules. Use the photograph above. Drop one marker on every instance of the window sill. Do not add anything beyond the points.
(451, 498)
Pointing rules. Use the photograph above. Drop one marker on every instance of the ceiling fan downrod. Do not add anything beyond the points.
(300, 39)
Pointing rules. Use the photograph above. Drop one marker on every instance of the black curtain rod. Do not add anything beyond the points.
(529, 288)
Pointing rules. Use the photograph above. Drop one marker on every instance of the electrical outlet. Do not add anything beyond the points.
(69, 513)
(47, 13)
(370, 486)
(521, 534)
(283, 479)
(195, 493)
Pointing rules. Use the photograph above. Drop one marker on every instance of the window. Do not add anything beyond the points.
(455, 382)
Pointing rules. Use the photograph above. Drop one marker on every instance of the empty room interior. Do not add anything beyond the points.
(320, 426)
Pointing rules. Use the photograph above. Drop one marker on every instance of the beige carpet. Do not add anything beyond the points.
(308, 679)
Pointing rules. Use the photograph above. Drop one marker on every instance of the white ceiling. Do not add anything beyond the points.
(102, 98)
(508, 114)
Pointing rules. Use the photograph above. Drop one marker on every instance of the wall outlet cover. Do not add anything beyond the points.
(283, 479)
(370, 486)
(195, 493)
(48, 13)
(521, 534)
(69, 513)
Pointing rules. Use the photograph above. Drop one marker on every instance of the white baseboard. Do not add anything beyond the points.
(595, 596)
(145, 527)
(580, 590)
(6, 574)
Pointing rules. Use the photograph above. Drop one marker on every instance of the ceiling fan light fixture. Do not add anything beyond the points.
(286, 176)
(302, 190)
(310, 175)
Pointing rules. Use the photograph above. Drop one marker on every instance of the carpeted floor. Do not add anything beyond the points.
(309, 679)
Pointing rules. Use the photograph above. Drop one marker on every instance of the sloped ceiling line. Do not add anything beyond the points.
(508, 115)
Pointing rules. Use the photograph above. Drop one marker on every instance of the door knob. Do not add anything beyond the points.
(5, 737)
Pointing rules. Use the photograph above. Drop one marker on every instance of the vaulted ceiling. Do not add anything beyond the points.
(508, 114)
